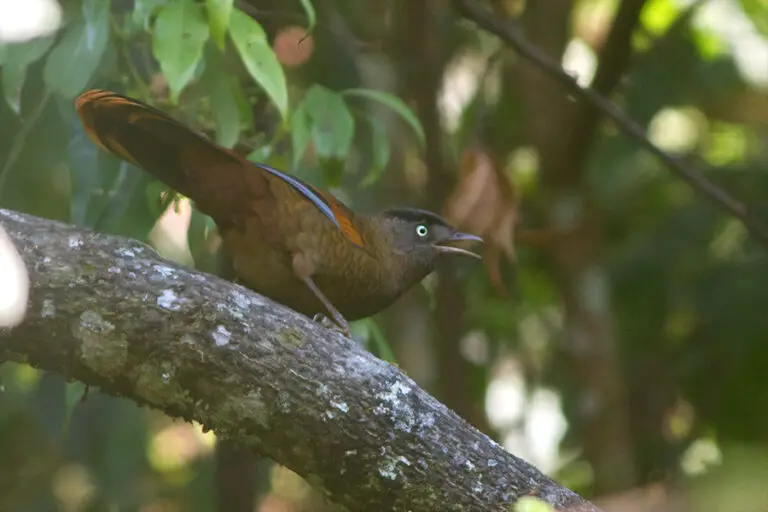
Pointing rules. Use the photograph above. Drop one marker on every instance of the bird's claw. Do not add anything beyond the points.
(330, 324)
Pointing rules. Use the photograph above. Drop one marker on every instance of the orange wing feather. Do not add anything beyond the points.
(344, 217)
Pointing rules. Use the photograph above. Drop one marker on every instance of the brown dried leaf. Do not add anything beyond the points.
(484, 202)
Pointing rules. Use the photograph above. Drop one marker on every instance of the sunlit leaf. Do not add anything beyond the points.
(710, 45)
(18, 57)
(757, 11)
(219, 12)
(395, 104)
(259, 58)
(332, 123)
(658, 15)
(74, 60)
(309, 9)
(177, 42)
(531, 504)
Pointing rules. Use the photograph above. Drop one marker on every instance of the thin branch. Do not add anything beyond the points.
(110, 313)
(510, 32)
(616, 51)
(613, 60)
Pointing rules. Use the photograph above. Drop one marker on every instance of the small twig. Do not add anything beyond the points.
(481, 111)
(509, 32)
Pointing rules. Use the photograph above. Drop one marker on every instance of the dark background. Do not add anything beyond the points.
(615, 334)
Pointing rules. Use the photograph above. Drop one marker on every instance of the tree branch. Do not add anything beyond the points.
(509, 32)
(616, 51)
(109, 312)
(613, 59)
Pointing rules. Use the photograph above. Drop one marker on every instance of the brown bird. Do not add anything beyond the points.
(286, 239)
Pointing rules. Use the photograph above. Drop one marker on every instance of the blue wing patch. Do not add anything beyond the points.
(305, 191)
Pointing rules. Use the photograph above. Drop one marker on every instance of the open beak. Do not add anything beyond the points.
(458, 237)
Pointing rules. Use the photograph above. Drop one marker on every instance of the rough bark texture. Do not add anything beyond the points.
(111, 313)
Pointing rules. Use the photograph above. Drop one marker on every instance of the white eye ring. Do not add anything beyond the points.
(422, 230)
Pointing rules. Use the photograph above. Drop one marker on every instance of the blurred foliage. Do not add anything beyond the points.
(393, 102)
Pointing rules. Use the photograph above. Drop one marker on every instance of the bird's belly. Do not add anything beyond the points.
(353, 296)
(268, 270)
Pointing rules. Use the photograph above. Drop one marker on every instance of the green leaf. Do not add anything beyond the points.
(368, 328)
(118, 199)
(127, 211)
(86, 177)
(381, 153)
(301, 132)
(757, 11)
(395, 104)
(658, 15)
(143, 11)
(73, 395)
(219, 12)
(3, 51)
(17, 58)
(159, 197)
(199, 232)
(94, 11)
(531, 504)
(260, 154)
(74, 60)
(224, 90)
(332, 123)
(259, 58)
(177, 42)
(311, 16)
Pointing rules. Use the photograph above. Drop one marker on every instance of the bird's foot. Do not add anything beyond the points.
(331, 324)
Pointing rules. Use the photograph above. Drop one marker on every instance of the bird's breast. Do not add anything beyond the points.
(358, 281)
(353, 280)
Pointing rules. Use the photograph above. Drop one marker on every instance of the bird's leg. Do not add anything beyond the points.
(328, 323)
(303, 269)
(337, 317)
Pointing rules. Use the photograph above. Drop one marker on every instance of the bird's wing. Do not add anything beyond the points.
(222, 183)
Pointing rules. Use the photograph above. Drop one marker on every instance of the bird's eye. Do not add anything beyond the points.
(422, 230)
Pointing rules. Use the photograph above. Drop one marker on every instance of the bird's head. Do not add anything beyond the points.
(420, 237)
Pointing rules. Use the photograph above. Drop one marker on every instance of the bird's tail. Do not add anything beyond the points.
(183, 159)
(222, 183)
